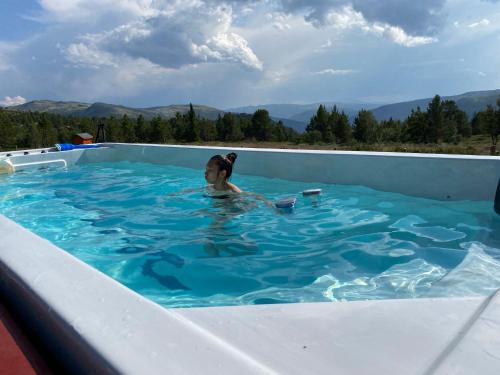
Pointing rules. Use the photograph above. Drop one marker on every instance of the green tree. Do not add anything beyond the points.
(114, 130)
(47, 131)
(142, 130)
(491, 123)
(33, 137)
(235, 133)
(8, 138)
(192, 133)
(365, 127)
(342, 129)
(261, 125)
(128, 129)
(389, 131)
(416, 127)
(312, 136)
(320, 122)
(208, 130)
(436, 120)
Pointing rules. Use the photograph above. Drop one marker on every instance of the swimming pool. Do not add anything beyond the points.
(184, 250)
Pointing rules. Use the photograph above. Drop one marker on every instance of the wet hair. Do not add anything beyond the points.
(225, 163)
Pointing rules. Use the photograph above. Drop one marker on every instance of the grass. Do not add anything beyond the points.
(475, 145)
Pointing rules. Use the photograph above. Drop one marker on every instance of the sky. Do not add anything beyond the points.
(144, 53)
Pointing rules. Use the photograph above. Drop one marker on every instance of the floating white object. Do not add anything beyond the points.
(286, 203)
(311, 192)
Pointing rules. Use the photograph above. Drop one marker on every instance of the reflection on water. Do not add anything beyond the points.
(188, 249)
(222, 238)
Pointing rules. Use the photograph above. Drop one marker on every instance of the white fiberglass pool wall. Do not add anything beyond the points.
(454, 177)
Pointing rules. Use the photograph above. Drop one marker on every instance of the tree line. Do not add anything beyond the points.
(36, 130)
(442, 121)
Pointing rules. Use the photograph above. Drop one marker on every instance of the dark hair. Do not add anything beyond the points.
(225, 163)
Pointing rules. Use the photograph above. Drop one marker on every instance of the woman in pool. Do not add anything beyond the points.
(217, 172)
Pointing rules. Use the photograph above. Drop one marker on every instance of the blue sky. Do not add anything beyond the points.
(232, 53)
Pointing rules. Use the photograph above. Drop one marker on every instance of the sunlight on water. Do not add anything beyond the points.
(351, 243)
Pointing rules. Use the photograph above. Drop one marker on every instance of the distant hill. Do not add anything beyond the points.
(299, 111)
(298, 126)
(62, 108)
(77, 109)
(297, 116)
(470, 102)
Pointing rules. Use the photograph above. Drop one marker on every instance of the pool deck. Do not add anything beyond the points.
(18, 354)
(96, 324)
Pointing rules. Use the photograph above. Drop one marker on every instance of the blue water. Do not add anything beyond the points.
(186, 249)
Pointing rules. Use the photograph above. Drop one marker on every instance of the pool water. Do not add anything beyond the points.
(137, 223)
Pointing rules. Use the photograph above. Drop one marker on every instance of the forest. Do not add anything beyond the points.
(441, 122)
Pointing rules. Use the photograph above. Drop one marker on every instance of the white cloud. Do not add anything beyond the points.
(88, 56)
(171, 39)
(335, 72)
(483, 22)
(422, 17)
(343, 18)
(325, 46)
(346, 17)
(399, 36)
(481, 74)
(8, 101)
(279, 20)
(70, 11)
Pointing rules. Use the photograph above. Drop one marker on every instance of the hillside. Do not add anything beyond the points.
(77, 109)
(470, 102)
(296, 116)
(58, 107)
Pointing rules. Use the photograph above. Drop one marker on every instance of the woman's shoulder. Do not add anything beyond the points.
(234, 188)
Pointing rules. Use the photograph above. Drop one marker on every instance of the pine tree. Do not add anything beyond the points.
(192, 133)
(342, 129)
(261, 125)
(47, 132)
(128, 130)
(435, 118)
(416, 127)
(365, 127)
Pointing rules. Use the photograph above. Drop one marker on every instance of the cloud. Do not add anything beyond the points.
(345, 16)
(8, 101)
(325, 46)
(279, 20)
(335, 72)
(415, 17)
(399, 36)
(170, 39)
(72, 11)
(483, 22)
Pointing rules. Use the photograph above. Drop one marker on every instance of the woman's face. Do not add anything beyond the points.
(211, 172)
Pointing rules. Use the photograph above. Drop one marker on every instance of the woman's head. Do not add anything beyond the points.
(220, 167)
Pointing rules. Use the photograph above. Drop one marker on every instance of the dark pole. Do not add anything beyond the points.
(101, 133)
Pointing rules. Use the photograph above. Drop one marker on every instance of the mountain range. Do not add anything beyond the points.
(296, 116)
(77, 109)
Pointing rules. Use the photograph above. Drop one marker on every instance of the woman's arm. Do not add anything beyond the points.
(185, 191)
(259, 197)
